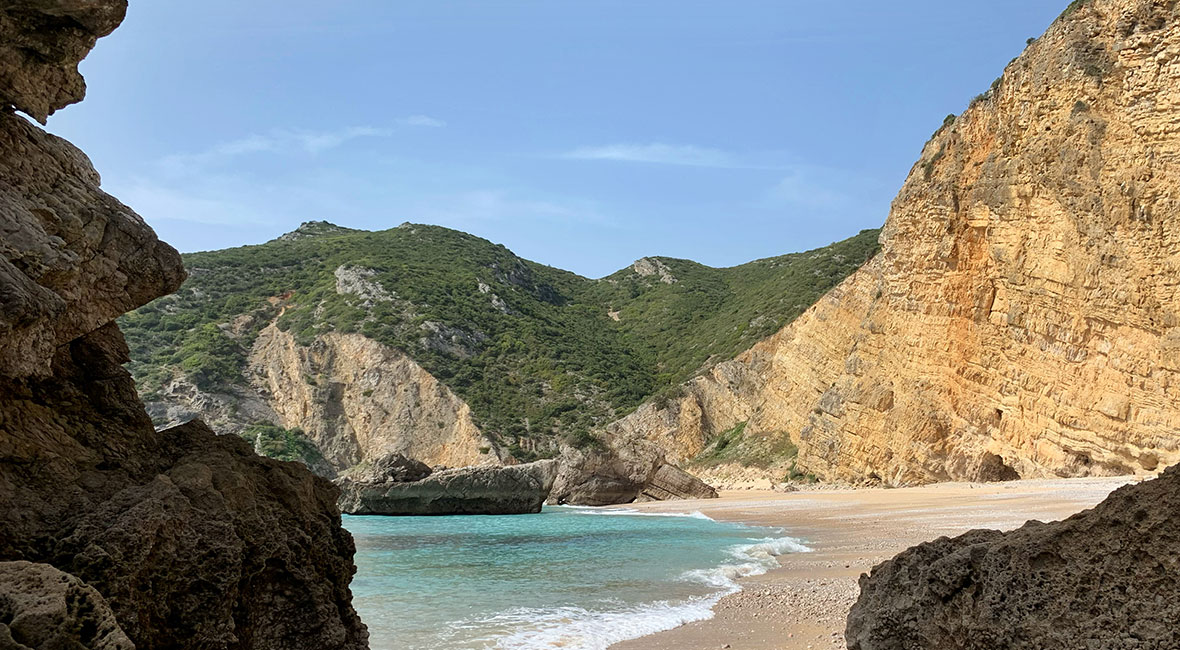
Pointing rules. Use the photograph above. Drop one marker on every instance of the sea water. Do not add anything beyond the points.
(570, 578)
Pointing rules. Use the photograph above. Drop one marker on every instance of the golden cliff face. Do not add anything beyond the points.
(1024, 313)
(359, 400)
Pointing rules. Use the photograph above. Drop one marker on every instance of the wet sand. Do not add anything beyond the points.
(803, 603)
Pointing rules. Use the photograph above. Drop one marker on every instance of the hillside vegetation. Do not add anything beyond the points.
(538, 353)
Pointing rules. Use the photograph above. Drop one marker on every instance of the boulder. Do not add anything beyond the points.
(395, 468)
(629, 469)
(671, 482)
(509, 490)
(1105, 578)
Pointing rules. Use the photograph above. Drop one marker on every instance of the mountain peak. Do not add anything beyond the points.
(646, 266)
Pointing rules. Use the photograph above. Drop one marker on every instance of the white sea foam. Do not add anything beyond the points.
(575, 628)
(752, 560)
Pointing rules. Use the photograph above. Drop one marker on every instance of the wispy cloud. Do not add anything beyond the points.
(315, 142)
(658, 153)
(421, 120)
(276, 141)
(285, 141)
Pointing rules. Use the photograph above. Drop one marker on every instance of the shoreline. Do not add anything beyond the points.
(803, 602)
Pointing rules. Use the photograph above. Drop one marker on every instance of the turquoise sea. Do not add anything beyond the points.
(570, 578)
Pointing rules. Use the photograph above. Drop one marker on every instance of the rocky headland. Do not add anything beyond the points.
(111, 533)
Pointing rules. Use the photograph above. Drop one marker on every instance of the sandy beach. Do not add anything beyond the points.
(803, 603)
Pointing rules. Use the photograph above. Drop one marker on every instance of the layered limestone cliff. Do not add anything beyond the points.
(1022, 316)
(359, 400)
(112, 533)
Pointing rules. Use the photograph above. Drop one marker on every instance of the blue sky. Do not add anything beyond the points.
(581, 134)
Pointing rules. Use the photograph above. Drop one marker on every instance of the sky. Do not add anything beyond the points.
(582, 134)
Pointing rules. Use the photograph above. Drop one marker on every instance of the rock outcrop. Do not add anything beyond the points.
(1105, 578)
(64, 267)
(1021, 317)
(190, 539)
(42, 608)
(510, 490)
(395, 468)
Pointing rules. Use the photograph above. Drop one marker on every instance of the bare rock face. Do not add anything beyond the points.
(1024, 304)
(359, 400)
(1105, 578)
(191, 539)
(227, 409)
(42, 608)
(63, 271)
(510, 490)
(257, 554)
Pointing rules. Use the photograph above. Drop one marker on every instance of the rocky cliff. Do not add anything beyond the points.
(1021, 317)
(185, 538)
(359, 400)
(1105, 578)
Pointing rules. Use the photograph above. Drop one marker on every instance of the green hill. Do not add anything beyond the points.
(537, 352)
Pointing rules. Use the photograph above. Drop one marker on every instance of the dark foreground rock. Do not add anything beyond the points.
(509, 490)
(190, 539)
(42, 608)
(1107, 578)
